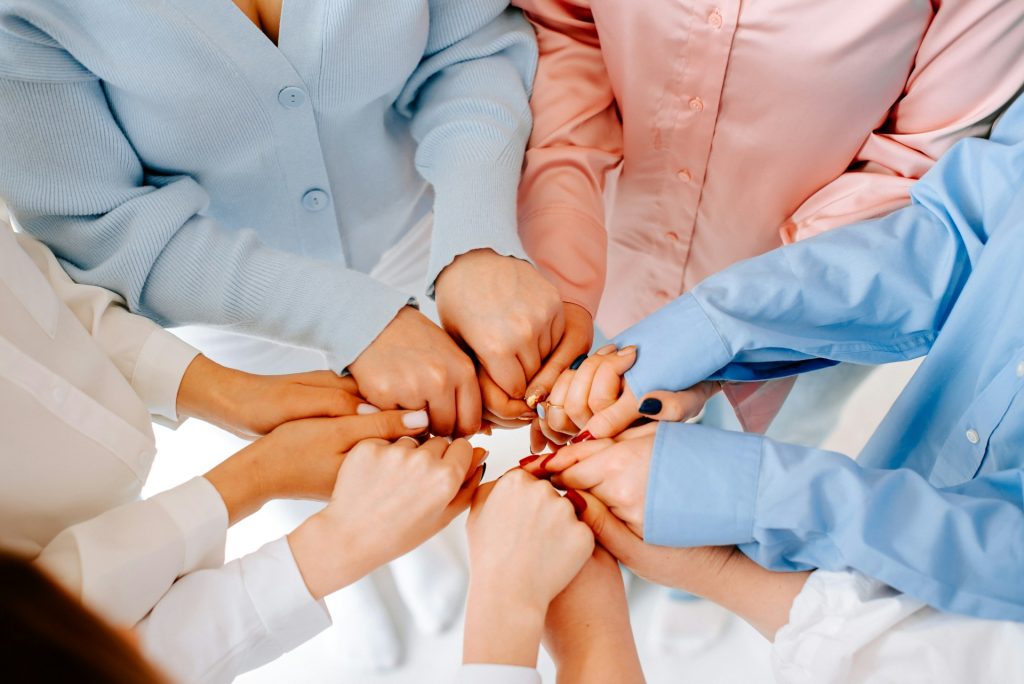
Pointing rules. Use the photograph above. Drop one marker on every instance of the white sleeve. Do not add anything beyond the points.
(497, 674)
(216, 624)
(150, 358)
(846, 628)
(122, 561)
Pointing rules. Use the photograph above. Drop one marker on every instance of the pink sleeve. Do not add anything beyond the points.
(577, 138)
(968, 68)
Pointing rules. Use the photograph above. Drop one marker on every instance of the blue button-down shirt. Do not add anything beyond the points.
(933, 505)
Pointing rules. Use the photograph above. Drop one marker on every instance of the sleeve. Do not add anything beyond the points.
(788, 507)
(121, 562)
(871, 293)
(151, 359)
(577, 139)
(470, 115)
(497, 674)
(845, 628)
(968, 68)
(217, 623)
(80, 188)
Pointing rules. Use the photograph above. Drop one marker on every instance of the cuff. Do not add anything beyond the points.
(474, 208)
(161, 364)
(198, 511)
(497, 674)
(275, 586)
(702, 487)
(678, 346)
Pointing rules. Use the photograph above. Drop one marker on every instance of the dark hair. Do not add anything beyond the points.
(48, 636)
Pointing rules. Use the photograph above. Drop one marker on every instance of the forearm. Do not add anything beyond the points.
(499, 631)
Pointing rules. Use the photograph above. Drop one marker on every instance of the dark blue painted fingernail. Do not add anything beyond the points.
(650, 406)
(578, 362)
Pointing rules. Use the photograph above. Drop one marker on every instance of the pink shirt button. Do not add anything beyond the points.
(697, 104)
(715, 19)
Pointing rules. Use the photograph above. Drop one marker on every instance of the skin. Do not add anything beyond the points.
(525, 545)
(265, 14)
(411, 491)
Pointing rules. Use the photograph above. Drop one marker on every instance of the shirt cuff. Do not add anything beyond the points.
(702, 487)
(677, 347)
(497, 674)
(161, 364)
(275, 586)
(474, 208)
(198, 511)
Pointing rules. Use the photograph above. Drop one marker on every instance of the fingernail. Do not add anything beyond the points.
(579, 504)
(536, 395)
(416, 420)
(650, 406)
(606, 350)
(528, 460)
(366, 409)
(542, 412)
(626, 351)
(575, 365)
(485, 452)
(483, 471)
(544, 463)
(582, 437)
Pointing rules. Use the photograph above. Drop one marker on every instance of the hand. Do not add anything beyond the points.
(614, 470)
(250, 405)
(505, 311)
(719, 573)
(413, 364)
(525, 545)
(591, 640)
(300, 459)
(388, 499)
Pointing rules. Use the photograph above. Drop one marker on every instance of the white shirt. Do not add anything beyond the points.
(79, 378)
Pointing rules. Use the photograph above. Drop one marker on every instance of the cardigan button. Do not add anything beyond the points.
(292, 97)
(316, 200)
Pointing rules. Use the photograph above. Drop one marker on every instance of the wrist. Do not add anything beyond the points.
(329, 558)
(502, 629)
(208, 391)
(238, 482)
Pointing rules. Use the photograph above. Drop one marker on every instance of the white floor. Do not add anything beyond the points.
(741, 655)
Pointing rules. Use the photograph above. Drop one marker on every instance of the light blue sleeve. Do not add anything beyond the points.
(789, 507)
(469, 105)
(79, 187)
(870, 293)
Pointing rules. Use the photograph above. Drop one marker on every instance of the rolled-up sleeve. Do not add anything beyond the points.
(497, 674)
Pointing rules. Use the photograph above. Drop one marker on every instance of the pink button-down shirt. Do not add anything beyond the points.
(739, 125)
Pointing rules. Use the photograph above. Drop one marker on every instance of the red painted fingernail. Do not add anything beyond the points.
(544, 463)
(528, 460)
(582, 437)
(577, 501)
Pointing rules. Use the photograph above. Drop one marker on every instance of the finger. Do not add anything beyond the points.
(576, 404)
(388, 425)
(442, 412)
(570, 347)
(554, 409)
(538, 441)
(609, 531)
(565, 457)
(467, 495)
(460, 456)
(607, 385)
(529, 359)
(505, 423)
(588, 473)
(507, 373)
(556, 438)
(678, 406)
(617, 417)
(498, 402)
(435, 446)
(469, 407)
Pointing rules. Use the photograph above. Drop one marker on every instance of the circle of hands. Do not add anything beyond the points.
(546, 530)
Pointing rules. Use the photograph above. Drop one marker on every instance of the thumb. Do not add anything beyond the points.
(387, 425)
(612, 420)
(609, 531)
(678, 406)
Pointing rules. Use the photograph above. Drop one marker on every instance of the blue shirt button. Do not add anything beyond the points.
(292, 97)
(316, 200)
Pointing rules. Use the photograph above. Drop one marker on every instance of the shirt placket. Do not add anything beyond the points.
(695, 99)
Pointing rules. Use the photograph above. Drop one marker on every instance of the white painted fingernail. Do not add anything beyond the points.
(366, 409)
(416, 420)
